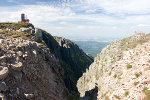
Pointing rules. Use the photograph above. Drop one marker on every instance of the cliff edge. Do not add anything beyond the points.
(117, 68)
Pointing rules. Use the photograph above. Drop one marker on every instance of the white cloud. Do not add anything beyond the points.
(91, 11)
(85, 17)
(143, 25)
(63, 23)
(81, 27)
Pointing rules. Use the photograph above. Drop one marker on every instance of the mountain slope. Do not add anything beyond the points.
(106, 59)
(129, 78)
(73, 60)
(29, 71)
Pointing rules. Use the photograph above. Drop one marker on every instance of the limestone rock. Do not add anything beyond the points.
(29, 96)
(17, 67)
(121, 70)
(2, 96)
(2, 41)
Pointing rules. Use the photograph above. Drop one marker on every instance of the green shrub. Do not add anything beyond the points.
(115, 75)
(144, 89)
(137, 75)
(117, 97)
(65, 93)
(135, 83)
(120, 74)
(109, 73)
(126, 93)
(129, 66)
(105, 93)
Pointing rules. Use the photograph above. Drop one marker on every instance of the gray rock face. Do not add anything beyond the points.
(3, 86)
(38, 33)
(3, 72)
(28, 30)
(108, 56)
(17, 67)
(32, 72)
(71, 56)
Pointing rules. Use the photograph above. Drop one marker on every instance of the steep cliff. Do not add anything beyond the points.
(72, 59)
(104, 62)
(29, 71)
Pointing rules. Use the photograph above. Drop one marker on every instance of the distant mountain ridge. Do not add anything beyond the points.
(92, 47)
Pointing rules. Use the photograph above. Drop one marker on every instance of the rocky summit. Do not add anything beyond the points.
(29, 71)
(120, 71)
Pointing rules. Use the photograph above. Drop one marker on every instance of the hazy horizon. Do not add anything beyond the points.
(81, 19)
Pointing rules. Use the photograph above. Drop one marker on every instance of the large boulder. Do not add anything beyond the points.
(17, 67)
(29, 96)
(3, 86)
(3, 72)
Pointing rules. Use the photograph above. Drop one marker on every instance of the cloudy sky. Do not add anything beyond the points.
(82, 19)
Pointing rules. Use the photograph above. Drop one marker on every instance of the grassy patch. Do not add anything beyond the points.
(126, 93)
(99, 88)
(135, 83)
(144, 89)
(120, 74)
(137, 75)
(80, 59)
(117, 97)
(109, 73)
(65, 93)
(14, 26)
(147, 93)
(107, 98)
(129, 66)
(115, 76)
(105, 93)
(73, 96)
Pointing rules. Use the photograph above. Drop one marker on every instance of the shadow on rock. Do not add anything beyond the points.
(91, 95)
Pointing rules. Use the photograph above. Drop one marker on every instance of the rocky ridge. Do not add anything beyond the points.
(129, 78)
(71, 58)
(106, 59)
(29, 71)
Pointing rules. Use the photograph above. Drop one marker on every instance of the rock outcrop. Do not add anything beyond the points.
(101, 74)
(29, 71)
(129, 78)
(72, 59)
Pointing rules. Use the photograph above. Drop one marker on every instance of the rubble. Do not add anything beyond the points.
(25, 73)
